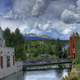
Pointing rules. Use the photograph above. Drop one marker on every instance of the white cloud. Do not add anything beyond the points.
(78, 4)
(72, 7)
(67, 31)
(50, 27)
(35, 31)
(46, 26)
(70, 16)
(22, 8)
(4, 23)
(39, 7)
(27, 8)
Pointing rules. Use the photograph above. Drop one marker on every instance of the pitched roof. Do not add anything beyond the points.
(35, 38)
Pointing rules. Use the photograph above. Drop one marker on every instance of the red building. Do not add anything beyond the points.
(73, 47)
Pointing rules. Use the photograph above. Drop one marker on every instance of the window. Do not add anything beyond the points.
(13, 60)
(1, 61)
(8, 61)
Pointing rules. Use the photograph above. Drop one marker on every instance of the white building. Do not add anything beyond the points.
(8, 65)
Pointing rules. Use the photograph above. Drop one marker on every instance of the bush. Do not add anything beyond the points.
(73, 75)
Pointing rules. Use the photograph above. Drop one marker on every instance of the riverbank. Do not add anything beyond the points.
(15, 76)
(74, 74)
(10, 70)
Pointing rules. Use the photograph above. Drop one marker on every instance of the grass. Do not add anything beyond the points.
(74, 74)
(77, 66)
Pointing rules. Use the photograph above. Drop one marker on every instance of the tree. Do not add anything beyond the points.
(20, 55)
(16, 40)
(7, 36)
(59, 52)
(19, 45)
(18, 37)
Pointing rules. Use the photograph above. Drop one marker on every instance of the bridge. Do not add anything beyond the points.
(41, 65)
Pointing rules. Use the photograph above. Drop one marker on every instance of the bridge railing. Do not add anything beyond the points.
(64, 61)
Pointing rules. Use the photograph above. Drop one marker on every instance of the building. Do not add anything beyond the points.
(73, 46)
(8, 65)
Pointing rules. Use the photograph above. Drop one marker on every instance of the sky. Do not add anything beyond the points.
(55, 18)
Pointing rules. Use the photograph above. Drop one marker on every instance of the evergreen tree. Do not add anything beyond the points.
(59, 52)
(16, 40)
(7, 36)
(19, 45)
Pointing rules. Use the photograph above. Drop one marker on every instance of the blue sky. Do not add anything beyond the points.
(56, 18)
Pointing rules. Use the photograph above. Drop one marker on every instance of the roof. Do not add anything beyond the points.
(35, 38)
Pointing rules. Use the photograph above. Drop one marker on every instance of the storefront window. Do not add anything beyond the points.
(13, 60)
(8, 61)
(1, 61)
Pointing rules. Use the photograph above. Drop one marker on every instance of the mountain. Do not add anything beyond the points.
(27, 37)
(32, 37)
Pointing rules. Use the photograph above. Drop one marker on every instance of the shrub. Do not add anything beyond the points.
(73, 75)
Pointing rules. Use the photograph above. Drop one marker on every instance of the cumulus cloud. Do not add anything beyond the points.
(78, 3)
(39, 7)
(22, 8)
(72, 14)
(45, 26)
(43, 8)
(4, 23)
(49, 27)
(68, 30)
(70, 17)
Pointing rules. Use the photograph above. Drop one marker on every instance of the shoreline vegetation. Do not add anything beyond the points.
(74, 74)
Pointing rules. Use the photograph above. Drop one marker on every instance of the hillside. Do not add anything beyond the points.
(39, 48)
